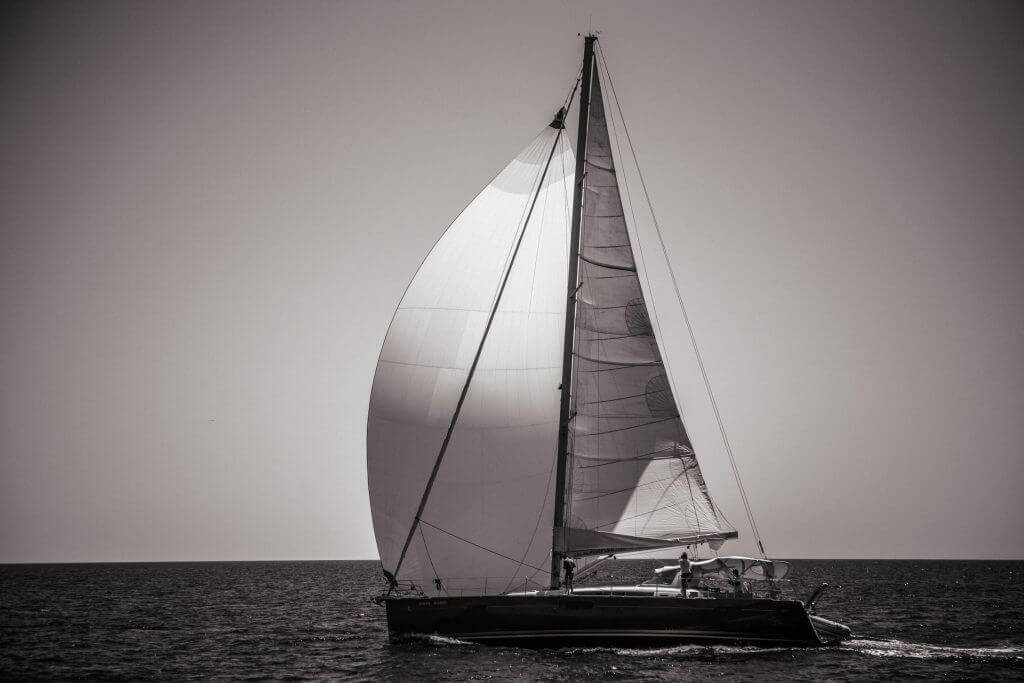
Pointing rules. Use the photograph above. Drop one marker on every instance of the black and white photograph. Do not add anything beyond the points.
(512, 340)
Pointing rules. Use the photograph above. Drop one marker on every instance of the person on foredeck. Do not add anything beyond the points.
(569, 569)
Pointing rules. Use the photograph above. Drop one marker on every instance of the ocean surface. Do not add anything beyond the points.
(232, 620)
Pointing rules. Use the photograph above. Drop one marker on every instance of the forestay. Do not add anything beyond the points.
(486, 524)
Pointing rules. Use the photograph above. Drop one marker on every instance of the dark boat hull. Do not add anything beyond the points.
(560, 621)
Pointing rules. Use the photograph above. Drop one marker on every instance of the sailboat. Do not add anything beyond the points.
(523, 427)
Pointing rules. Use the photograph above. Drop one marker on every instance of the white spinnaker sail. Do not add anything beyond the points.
(486, 527)
(633, 470)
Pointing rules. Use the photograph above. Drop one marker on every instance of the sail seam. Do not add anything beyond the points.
(641, 335)
(618, 366)
(652, 363)
(666, 454)
(603, 168)
(477, 545)
(603, 264)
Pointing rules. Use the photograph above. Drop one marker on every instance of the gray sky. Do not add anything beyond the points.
(210, 210)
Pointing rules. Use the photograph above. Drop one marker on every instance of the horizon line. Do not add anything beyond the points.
(830, 559)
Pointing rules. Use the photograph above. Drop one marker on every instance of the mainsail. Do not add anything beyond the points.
(634, 480)
(463, 455)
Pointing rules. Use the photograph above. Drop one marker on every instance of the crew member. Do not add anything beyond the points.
(685, 570)
(569, 569)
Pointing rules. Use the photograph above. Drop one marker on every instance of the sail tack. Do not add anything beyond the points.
(635, 481)
(486, 525)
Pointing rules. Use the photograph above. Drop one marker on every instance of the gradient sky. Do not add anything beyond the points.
(210, 210)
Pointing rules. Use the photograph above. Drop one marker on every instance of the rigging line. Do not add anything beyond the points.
(450, 367)
(712, 535)
(642, 335)
(567, 103)
(617, 366)
(653, 455)
(475, 545)
(721, 514)
(624, 429)
(529, 579)
(648, 364)
(607, 308)
(693, 501)
(639, 484)
(618, 416)
(620, 398)
(686, 318)
(665, 494)
(590, 568)
(476, 359)
(437, 579)
(633, 461)
(624, 519)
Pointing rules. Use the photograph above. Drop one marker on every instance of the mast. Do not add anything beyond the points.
(570, 313)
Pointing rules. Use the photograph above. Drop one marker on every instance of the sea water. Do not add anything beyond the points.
(230, 620)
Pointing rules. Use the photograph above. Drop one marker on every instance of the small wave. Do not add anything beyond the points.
(699, 650)
(692, 651)
(432, 639)
(899, 648)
